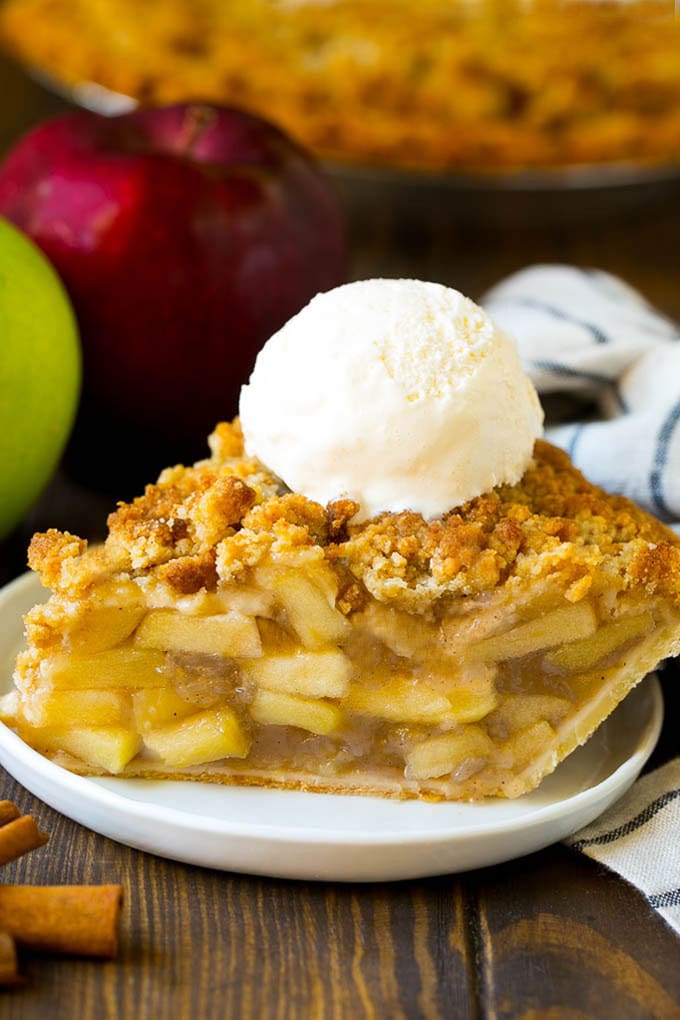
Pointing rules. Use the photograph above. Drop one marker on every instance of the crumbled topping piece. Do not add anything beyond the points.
(49, 551)
(219, 508)
(226, 441)
(64, 562)
(304, 521)
(201, 526)
(190, 574)
(340, 513)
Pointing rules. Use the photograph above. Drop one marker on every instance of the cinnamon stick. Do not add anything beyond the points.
(18, 837)
(9, 973)
(8, 812)
(78, 920)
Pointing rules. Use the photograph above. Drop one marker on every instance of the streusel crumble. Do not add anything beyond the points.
(436, 85)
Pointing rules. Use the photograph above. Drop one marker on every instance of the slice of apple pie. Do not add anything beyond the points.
(229, 630)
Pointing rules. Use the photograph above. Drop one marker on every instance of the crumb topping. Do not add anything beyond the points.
(596, 82)
(201, 526)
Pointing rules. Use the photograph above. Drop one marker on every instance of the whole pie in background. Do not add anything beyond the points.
(436, 85)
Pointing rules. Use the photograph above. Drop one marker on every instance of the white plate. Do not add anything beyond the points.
(318, 836)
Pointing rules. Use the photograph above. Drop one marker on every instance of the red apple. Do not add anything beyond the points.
(186, 236)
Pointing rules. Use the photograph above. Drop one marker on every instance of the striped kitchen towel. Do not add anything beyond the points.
(586, 333)
(639, 838)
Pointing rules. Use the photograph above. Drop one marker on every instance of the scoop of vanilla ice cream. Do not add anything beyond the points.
(397, 393)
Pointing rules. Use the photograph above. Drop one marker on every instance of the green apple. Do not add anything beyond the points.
(39, 373)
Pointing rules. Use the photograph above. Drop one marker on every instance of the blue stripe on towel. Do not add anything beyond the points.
(606, 286)
(670, 898)
(660, 459)
(620, 399)
(566, 372)
(631, 825)
(598, 336)
(575, 436)
(596, 378)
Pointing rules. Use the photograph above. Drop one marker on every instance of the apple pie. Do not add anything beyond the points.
(436, 85)
(232, 631)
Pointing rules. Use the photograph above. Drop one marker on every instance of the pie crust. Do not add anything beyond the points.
(229, 630)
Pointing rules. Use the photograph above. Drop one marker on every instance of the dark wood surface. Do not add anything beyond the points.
(550, 937)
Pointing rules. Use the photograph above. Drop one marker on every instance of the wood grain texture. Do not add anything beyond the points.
(199, 943)
(559, 932)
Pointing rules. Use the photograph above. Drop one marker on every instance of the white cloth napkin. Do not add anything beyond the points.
(587, 333)
(639, 838)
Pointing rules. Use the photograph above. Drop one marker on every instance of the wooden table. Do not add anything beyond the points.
(552, 936)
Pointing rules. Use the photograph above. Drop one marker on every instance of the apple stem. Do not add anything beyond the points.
(197, 120)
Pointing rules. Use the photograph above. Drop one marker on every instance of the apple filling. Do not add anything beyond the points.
(269, 681)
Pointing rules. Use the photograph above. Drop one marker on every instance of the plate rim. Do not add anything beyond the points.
(87, 789)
